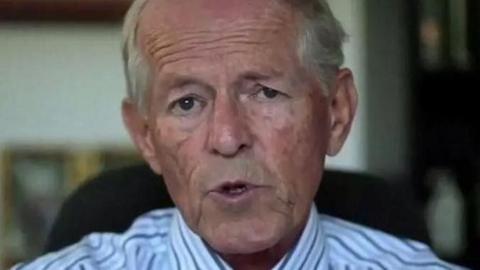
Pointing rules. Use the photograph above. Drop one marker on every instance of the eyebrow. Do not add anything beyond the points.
(180, 81)
(254, 75)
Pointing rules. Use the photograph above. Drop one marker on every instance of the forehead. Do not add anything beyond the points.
(172, 28)
(195, 14)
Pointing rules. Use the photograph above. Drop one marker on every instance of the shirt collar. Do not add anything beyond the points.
(189, 251)
(310, 250)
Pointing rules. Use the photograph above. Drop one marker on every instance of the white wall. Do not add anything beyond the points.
(60, 84)
(351, 13)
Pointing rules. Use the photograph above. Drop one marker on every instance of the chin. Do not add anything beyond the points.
(246, 237)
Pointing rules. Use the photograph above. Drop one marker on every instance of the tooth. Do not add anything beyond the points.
(234, 190)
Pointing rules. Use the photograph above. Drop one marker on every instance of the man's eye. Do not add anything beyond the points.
(266, 94)
(186, 105)
(269, 93)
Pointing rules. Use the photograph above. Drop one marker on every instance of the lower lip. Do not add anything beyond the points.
(244, 197)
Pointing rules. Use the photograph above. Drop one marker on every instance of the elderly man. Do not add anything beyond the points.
(236, 103)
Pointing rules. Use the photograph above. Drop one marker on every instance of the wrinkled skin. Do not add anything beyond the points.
(230, 101)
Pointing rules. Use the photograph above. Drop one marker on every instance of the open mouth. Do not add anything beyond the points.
(234, 189)
(237, 194)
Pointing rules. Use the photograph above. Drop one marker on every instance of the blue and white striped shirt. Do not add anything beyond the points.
(161, 240)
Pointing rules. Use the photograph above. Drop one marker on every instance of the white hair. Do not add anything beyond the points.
(319, 46)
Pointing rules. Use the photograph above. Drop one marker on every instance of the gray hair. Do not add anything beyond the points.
(319, 47)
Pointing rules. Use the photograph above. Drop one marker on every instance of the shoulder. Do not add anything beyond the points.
(144, 242)
(357, 245)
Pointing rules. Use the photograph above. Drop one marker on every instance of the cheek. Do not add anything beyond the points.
(176, 145)
(167, 142)
(293, 142)
(175, 150)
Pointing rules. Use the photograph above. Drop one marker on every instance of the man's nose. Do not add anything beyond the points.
(229, 133)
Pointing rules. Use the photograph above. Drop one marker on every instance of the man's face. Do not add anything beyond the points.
(238, 128)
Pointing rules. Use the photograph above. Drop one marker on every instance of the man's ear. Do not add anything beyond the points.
(343, 105)
(141, 133)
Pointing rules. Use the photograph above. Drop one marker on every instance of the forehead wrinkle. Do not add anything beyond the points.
(157, 46)
(165, 49)
(174, 59)
(164, 39)
(243, 32)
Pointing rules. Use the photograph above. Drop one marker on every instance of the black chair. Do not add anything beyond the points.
(111, 201)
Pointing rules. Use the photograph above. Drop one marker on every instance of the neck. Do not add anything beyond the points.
(256, 261)
(268, 258)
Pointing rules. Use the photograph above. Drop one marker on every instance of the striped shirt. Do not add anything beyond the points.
(161, 240)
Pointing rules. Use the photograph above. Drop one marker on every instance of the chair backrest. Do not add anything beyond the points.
(112, 200)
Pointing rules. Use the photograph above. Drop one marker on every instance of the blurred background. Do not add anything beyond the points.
(417, 67)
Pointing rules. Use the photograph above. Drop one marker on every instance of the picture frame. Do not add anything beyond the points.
(64, 10)
(33, 188)
(36, 180)
(114, 158)
(85, 164)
